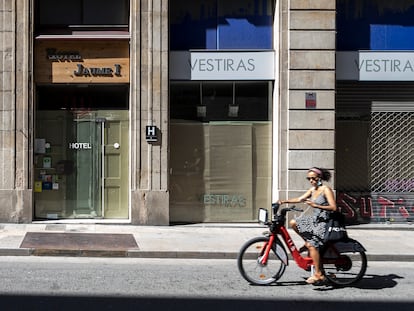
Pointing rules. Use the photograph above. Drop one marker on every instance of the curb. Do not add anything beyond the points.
(15, 252)
(163, 254)
(387, 257)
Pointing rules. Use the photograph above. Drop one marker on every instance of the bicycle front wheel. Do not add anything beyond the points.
(344, 265)
(251, 267)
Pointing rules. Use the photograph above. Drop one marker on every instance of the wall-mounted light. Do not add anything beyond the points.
(233, 107)
(233, 111)
(201, 111)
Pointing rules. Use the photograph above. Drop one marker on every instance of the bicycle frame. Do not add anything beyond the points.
(302, 262)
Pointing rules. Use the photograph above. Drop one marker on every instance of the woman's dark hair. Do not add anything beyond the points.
(323, 173)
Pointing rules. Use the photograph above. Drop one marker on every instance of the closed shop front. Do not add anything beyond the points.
(221, 107)
(375, 110)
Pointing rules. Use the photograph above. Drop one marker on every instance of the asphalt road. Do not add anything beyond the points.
(67, 283)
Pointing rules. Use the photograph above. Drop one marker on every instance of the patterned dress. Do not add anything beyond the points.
(312, 227)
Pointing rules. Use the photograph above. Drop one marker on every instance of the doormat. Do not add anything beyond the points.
(78, 242)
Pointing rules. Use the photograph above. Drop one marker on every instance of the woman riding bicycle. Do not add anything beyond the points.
(312, 227)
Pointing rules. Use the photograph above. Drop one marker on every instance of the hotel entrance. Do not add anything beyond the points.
(81, 122)
(81, 152)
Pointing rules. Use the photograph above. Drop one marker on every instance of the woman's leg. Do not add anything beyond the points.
(314, 254)
(292, 224)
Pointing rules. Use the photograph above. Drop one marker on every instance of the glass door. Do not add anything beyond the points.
(85, 148)
(81, 152)
(81, 164)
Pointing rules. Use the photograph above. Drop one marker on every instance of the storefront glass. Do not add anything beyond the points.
(220, 150)
(77, 14)
(221, 24)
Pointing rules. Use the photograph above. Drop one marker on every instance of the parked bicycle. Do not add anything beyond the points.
(263, 260)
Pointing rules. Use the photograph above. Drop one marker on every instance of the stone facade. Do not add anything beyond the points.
(15, 192)
(307, 136)
(306, 54)
(149, 105)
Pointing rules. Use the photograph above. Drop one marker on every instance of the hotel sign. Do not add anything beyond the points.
(55, 55)
(81, 61)
(80, 146)
(222, 65)
(375, 66)
(100, 71)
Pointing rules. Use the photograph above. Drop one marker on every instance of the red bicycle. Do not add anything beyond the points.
(263, 260)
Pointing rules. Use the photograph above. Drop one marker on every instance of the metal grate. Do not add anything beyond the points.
(392, 151)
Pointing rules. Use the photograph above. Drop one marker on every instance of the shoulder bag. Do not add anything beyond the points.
(335, 227)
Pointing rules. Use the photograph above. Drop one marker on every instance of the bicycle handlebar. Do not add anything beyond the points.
(275, 208)
(281, 217)
(290, 209)
(296, 209)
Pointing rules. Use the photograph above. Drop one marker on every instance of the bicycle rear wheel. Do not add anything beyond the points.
(344, 264)
(250, 266)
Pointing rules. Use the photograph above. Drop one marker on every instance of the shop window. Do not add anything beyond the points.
(381, 25)
(220, 150)
(219, 24)
(91, 97)
(79, 14)
(224, 101)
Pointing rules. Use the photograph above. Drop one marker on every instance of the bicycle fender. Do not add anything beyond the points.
(280, 251)
(350, 245)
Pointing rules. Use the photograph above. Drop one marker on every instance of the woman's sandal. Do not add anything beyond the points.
(316, 280)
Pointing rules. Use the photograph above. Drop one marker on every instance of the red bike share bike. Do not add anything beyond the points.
(263, 260)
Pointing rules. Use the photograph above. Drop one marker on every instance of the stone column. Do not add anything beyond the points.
(15, 181)
(149, 106)
(308, 66)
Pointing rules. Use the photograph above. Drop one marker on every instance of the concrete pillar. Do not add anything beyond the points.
(149, 105)
(15, 180)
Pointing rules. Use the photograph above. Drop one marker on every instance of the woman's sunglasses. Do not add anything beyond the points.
(311, 178)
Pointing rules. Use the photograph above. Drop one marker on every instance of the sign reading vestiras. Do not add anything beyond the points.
(81, 61)
(222, 65)
(375, 66)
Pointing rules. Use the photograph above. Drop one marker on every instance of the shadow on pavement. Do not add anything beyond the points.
(371, 281)
(66, 303)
